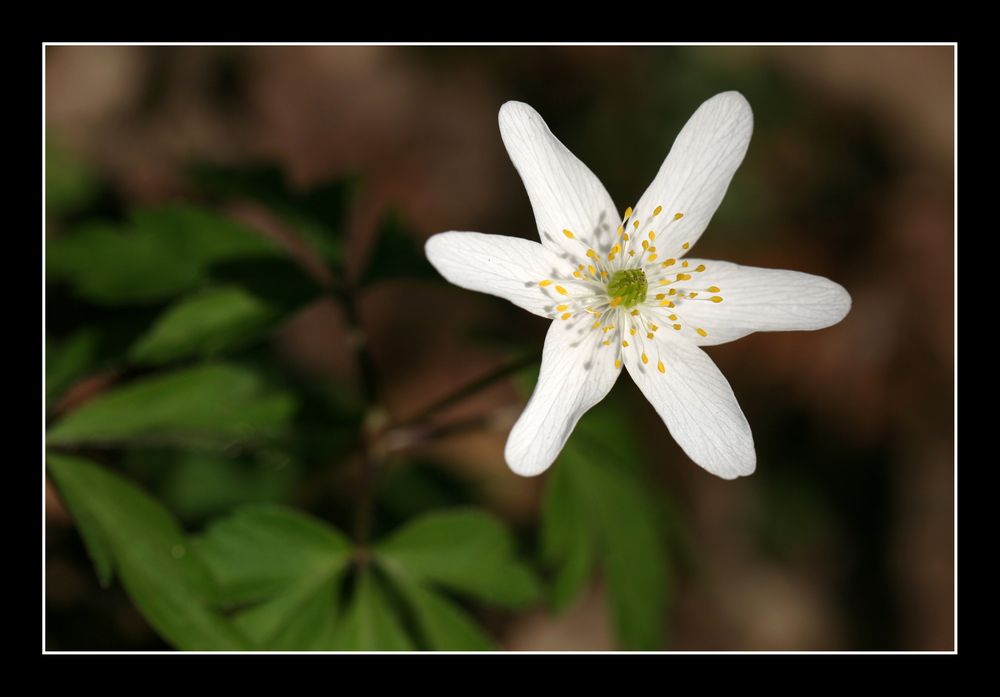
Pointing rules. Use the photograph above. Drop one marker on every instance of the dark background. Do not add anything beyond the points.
(843, 538)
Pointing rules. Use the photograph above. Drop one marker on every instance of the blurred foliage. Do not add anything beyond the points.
(198, 410)
(599, 511)
(318, 214)
(157, 254)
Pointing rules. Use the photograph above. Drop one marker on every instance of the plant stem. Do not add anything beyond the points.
(471, 388)
(374, 419)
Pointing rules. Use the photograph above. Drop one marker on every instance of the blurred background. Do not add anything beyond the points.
(842, 539)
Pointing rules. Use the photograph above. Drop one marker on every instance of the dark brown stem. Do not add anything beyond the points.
(471, 388)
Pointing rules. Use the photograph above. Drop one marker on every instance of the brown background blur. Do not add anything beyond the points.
(843, 539)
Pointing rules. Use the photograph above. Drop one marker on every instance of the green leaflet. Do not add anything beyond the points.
(466, 550)
(212, 405)
(126, 529)
(370, 622)
(207, 324)
(287, 564)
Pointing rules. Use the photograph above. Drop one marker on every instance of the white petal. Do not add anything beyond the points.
(760, 300)
(577, 372)
(564, 193)
(507, 267)
(697, 404)
(693, 179)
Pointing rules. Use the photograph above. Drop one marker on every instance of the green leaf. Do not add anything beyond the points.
(396, 254)
(443, 625)
(214, 405)
(206, 324)
(319, 214)
(598, 504)
(466, 550)
(158, 254)
(69, 182)
(370, 623)
(167, 583)
(288, 563)
(68, 360)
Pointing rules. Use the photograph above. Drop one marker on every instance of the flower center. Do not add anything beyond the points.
(628, 286)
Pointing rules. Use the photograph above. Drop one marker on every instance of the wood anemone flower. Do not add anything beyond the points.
(621, 290)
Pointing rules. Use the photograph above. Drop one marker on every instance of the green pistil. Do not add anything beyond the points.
(630, 285)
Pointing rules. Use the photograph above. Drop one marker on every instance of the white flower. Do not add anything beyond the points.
(622, 293)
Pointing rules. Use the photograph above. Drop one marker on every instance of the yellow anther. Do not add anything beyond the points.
(716, 299)
(606, 343)
(651, 249)
(669, 262)
(596, 325)
(649, 335)
(672, 318)
(628, 212)
(652, 235)
(684, 263)
(561, 290)
(713, 289)
(660, 367)
(618, 363)
(699, 268)
(604, 274)
(632, 331)
(672, 291)
(693, 295)
(631, 252)
(661, 296)
(577, 274)
(614, 250)
(591, 270)
(569, 234)
(666, 303)
(567, 315)
(686, 245)
(625, 237)
(657, 211)
(653, 327)
(645, 244)
(591, 253)
(701, 331)
(634, 312)
(652, 257)
(621, 229)
(616, 301)
(635, 224)
(678, 216)
(645, 358)
(676, 326)
(625, 344)
(562, 308)
(682, 277)
(544, 283)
